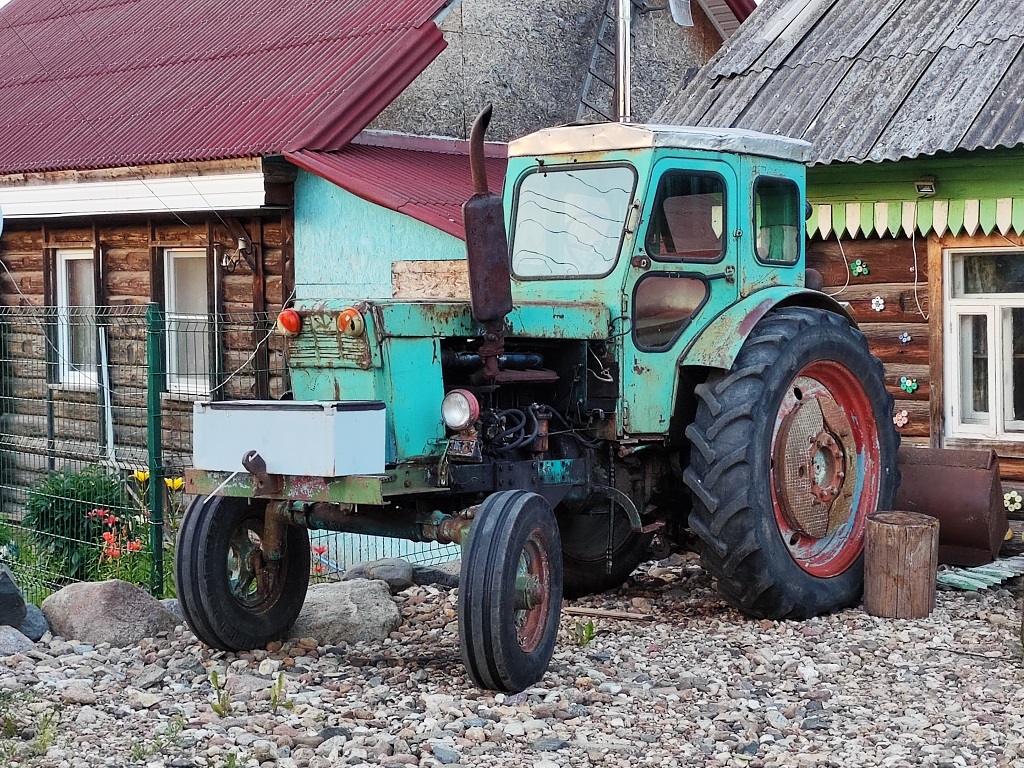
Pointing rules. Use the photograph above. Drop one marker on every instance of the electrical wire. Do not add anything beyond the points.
(846, 262)
(913, 246)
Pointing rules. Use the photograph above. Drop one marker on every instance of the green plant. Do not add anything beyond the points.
(221, 699)
(582, 632)
(279, 694)
(46, 732)
(161, 742)
(57, 514)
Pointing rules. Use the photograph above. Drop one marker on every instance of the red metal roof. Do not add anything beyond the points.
(107, 83)
(426, 178)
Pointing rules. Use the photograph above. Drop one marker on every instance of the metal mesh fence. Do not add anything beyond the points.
(96, 433)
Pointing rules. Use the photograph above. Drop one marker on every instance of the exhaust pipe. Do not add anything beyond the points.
(490, 278)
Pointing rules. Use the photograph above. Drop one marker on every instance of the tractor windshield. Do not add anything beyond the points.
(569, 222)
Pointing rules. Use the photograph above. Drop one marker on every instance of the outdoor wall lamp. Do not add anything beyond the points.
(229, 260)
(925, 187)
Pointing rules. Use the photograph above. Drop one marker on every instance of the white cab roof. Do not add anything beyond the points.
(604, 137)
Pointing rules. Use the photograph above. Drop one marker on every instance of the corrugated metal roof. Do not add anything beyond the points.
(426, 178)
(867, 80)
(105, 83)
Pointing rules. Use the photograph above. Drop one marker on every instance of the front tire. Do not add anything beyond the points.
(510, 591)
(218, 569)
(792, 450)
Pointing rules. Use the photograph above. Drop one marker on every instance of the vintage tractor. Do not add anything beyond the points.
(639, 359)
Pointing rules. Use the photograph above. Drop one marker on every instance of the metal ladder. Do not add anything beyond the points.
(597, 97)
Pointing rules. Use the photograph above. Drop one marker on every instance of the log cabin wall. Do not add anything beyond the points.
(46, 424)
(908, 309)
(891, 277)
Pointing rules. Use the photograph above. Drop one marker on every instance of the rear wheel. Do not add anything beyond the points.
(792, 450)
(585, 549)
(510, 591)
(231, 596)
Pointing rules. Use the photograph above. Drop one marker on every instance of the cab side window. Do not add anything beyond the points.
(687, 220)
(778, 224)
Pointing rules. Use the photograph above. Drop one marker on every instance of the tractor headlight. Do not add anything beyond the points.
(459, 409)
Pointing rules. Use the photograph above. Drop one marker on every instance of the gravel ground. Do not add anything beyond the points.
(698, 685)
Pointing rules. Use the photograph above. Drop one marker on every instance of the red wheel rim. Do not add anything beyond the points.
(532, 594)
(838, 468)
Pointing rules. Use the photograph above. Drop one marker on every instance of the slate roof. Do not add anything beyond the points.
(423, 177)
(867, 80)
(107, 83)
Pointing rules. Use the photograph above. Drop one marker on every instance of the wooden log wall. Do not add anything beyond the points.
(892, 269)
(45, 425)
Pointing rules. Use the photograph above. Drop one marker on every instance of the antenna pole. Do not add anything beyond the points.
(622, 46)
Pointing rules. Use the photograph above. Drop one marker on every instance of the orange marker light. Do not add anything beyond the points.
(289, 323)
(350, 322)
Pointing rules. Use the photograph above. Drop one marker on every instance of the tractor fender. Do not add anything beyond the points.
(719, 343)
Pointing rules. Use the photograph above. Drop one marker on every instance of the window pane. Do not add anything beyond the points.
(1014, 377)
(81, 351)
(686, 221)
(664, 306)
(570, 223)
(974, 368)
(1000, 272)
(778, 222)
(188, 323)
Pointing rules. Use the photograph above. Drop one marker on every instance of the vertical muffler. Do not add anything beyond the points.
(490, 278)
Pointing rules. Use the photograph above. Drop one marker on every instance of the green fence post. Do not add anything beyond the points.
(155, 335)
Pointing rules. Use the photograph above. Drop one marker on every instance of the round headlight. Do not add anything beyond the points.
(350, 322)
(459, 409)
(289, 323)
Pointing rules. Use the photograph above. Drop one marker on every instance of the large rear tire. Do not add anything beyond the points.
(510, 591)
(792, 450)
(229, 599)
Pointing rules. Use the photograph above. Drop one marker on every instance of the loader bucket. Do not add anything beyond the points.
(962, 490)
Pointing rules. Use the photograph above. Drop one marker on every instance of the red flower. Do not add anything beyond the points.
(112, 552)
(135, 546)
(108, 537)
(318, 568)
(319, 550)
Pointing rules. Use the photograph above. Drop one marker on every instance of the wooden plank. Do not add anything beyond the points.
(884, 340)
(917, 415)
(603, 613)
(889, 260)
(901, 302)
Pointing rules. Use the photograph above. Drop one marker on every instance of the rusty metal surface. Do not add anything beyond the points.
(962, 490)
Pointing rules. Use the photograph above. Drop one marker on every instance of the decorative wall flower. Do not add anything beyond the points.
(901, 418)
(1012, 501)
(905, 338)
(878, 303)
(859, 267)
(908, 385)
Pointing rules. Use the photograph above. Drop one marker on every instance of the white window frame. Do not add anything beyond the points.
(84, 376)
(993, 307)
(182, 383)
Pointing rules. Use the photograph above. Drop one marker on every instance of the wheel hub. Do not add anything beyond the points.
(810, 465)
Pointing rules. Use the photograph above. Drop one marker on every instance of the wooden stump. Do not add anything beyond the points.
(901, 554)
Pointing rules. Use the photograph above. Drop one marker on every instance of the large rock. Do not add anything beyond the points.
(12, 604)
(12, 641)
(114, 612)
(35, 625)
(395, 572)
(347, 612)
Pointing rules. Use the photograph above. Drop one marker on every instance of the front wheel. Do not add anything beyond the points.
(231, 595)
(584, 535)
(792, 450)
(510, 591)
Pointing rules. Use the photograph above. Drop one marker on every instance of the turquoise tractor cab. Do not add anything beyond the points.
(640, 359)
